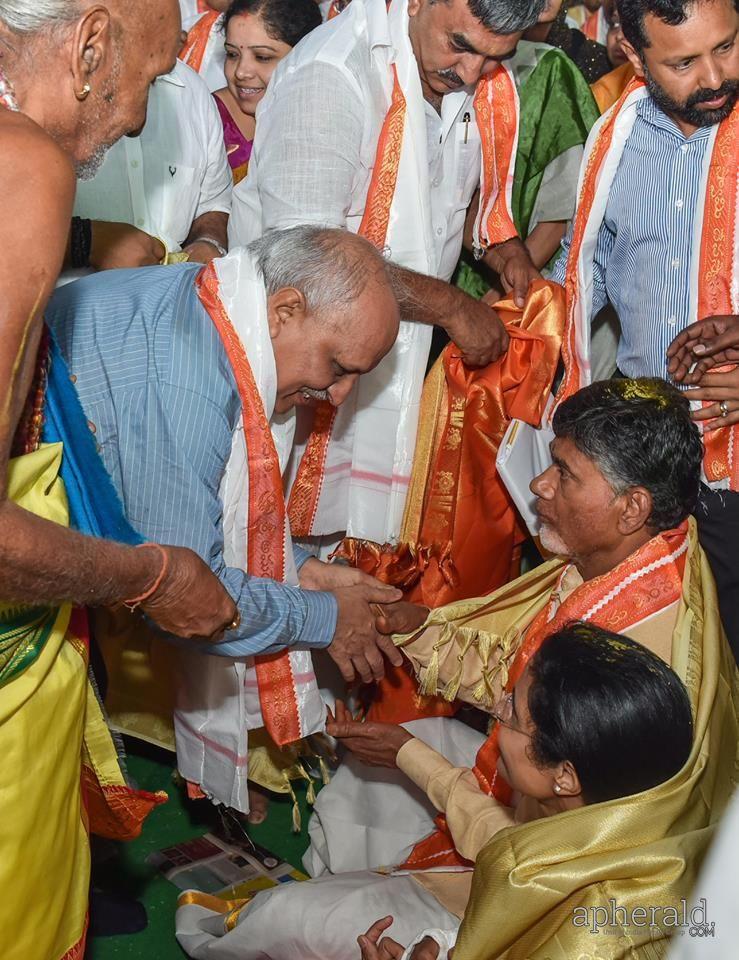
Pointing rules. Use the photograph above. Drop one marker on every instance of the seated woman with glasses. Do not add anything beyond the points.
(594, 717)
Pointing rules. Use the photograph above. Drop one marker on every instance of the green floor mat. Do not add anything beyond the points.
(179, 819)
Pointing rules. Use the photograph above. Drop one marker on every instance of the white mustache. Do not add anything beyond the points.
(310, 394)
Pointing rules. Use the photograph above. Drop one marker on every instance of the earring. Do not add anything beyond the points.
(84, 91)
(557, 788)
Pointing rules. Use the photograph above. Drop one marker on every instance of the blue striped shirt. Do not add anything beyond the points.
(644, 249)
(156, 385)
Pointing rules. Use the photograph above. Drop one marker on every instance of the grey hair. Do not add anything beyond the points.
(507, 16)
(330, 267)
(35, 16)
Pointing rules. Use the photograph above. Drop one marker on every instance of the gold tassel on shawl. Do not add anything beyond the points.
(494, 654)
(470, 636)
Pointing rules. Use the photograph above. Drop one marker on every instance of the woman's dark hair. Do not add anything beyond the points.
(639, 434)
(612, 708)
(632, 13)
(285, 20)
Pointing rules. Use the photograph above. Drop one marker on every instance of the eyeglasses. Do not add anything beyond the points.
(503, 713)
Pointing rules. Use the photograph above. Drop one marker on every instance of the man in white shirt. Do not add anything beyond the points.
(323, 130)
(172, 181)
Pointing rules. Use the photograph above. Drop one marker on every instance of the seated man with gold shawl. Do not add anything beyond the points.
(619, 515)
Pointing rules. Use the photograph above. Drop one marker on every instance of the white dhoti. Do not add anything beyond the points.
(315, 920)
(366, 817)
(371, 817)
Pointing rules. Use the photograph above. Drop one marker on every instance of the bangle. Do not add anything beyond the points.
(222, 251)
(81, 242)
(132, 604)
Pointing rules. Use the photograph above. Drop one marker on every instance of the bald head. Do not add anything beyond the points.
(83, 69)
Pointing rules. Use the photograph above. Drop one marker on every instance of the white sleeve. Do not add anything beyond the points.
(217, 182)
(307, 148)
(445, 938)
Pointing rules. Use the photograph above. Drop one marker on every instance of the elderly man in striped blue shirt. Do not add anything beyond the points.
(654, 235)
(180, 370)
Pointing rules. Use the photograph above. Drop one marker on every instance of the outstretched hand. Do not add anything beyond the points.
(374, 948)
(190, 601)
(357, 648)
(376, 744)
(316, 574)
(478, 332)
(401, 617)
(513, 264)
(711, 342)
(721, 389)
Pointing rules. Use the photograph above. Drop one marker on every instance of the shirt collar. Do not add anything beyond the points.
(648, 109)
(174, 76)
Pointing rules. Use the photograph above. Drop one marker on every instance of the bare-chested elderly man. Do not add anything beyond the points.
(74, 77)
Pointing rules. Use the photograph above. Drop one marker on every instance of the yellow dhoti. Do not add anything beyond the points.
(61, 773)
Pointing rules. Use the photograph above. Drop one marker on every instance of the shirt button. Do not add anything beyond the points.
(684, 148)
(91, 425)
(140, 222)
(675, 263)
(679, 204)
(439, 231)
(134, 163)
(435, 182)
(672, 321)
(73, 377)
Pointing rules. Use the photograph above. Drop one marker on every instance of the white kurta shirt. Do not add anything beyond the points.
(317, 134)
(176, 170)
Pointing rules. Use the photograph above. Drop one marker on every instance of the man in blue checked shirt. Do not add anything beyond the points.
(164, 360)
(655, 236)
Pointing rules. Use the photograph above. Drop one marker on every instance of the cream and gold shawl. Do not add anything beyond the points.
(640, 852)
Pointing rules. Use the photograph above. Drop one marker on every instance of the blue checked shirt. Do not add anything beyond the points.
(644, 249)
(156, 385)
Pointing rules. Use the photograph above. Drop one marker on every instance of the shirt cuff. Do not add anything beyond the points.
(421, 762)
(321, 614)
(300, 555)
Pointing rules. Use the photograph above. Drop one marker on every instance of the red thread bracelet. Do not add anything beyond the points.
(132, 604)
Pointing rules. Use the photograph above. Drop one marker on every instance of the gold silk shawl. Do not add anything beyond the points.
(641, 851)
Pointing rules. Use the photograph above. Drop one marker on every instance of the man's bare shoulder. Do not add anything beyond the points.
(27, 151)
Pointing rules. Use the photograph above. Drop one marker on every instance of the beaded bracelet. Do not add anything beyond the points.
(132, 604)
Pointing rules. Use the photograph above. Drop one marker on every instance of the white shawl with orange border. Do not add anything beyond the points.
(219, 699)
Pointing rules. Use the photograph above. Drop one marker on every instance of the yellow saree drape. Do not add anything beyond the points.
(535, 886)
(45, 861)
(61, 772)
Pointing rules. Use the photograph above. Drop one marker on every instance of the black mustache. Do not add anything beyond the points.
(727, 88)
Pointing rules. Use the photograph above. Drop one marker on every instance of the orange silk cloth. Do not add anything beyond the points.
(460, 523)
